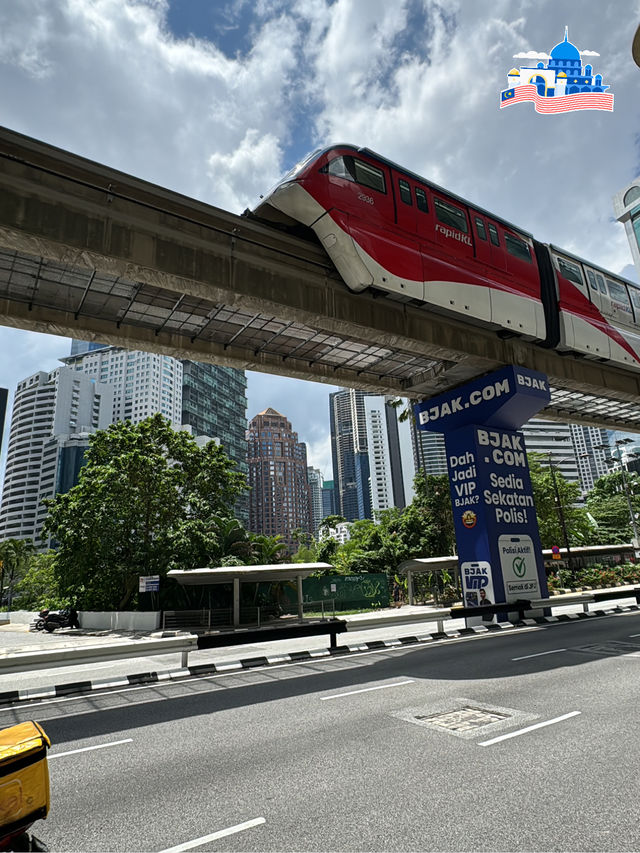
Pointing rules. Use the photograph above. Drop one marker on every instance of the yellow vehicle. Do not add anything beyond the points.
(24, 785)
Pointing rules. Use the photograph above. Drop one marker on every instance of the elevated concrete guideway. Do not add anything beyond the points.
(92, 253)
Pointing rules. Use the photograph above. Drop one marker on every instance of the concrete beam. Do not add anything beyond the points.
(60, 207)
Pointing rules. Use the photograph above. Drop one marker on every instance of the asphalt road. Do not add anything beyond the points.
(359, 753)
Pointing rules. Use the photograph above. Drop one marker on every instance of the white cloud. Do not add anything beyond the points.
(531, 54)
(588, 53)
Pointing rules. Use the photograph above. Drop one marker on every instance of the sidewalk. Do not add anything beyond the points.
(409, 622)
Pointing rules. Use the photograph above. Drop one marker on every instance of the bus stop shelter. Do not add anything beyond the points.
(422, 565)
(236, 575)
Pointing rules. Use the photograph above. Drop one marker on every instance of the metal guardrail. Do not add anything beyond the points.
(51, 658)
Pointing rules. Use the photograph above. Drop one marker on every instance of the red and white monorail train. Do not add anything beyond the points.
(389, 229)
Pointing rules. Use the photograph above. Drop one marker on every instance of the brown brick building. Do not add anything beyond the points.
(280, 497)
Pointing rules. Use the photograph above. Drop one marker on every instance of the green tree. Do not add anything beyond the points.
(426, 527)
(38, 588)
(555, 501)
(607, 502)
(144, 504)
(15, 556)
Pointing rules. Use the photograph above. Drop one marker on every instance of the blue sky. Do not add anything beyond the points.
(218, 99)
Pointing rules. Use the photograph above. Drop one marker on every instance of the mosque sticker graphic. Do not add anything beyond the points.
(561, 86)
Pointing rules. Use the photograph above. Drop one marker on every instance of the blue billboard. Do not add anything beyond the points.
(495, 520)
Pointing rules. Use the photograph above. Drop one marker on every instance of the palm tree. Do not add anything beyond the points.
(268, 549)
(233, 539)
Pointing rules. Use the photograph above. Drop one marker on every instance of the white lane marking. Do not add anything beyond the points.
(198, 842)
(539, 654)
(366, 690)
(530, 728)
(94, 694)
(634, 635)
(89, 748)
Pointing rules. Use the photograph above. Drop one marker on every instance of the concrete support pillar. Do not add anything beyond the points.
(300, 612)
(236, 602)
(410, 586)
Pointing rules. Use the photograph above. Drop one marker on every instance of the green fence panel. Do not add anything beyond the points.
(348, 591)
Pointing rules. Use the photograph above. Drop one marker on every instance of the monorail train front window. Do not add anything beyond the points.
(517, 247)
(301, 164)
(570, 271)
(619, 295)
(351, 169)
(450, 215)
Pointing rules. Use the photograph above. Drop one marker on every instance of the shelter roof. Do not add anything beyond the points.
(427, 564)
(247, 574)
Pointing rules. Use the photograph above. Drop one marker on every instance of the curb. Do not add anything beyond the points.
(12, 697)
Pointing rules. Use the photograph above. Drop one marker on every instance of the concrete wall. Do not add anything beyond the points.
(19, 617)
(120, 621)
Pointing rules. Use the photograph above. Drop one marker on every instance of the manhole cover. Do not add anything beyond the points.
(464, 717)
(465, 720)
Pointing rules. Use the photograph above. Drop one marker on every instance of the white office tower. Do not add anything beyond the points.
(316, 482)
(626, 206)
(51, 411)
(391, 460)
(144, 383)
(591, 446)
(553, 441)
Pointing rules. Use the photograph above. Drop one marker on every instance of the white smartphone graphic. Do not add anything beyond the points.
(519, 567)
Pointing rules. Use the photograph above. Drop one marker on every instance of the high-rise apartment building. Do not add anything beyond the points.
(314, 476)
(349, 452)
(53, 415)
(391, 457)
(144, 383)
(554, 442)
(430, 451)
(591, 445)
(280, 500)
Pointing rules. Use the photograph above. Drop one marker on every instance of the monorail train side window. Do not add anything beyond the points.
(570, 271)
(592, 280)
(480, 229)
(517, 247)
(421, 200)
(405, 191)
(450, 215)
(601, 284)
(619, 295)
(493, 234)
(634, 293)
(369, 176)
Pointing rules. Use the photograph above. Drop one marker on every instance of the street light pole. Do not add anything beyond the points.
(625, 486)
(563, 523)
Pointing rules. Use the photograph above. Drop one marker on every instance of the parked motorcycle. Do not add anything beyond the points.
(49, 620)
